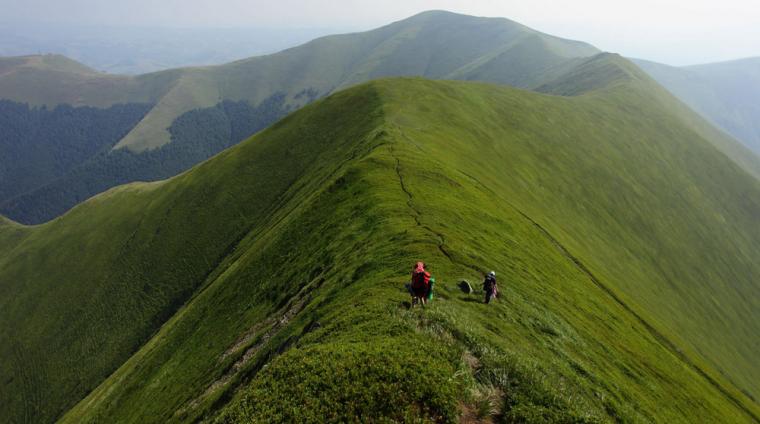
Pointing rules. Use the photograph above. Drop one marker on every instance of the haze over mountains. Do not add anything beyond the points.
(623, 227)
(139, 50)
(726, 93)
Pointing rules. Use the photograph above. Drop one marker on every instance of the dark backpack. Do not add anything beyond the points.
(489, 284)
(420, 279)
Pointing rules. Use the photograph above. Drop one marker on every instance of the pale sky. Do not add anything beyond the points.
(676, 32)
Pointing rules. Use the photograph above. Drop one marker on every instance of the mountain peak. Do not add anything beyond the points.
(445, 14)
(49, 62)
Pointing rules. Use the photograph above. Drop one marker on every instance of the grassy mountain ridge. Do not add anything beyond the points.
(139, 50)
(725, 93)
(162, 281)
(300, 268)
(53, 62)
(606, 70)
(432, 44)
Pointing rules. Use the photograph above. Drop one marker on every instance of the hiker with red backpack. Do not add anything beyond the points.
(420, 284)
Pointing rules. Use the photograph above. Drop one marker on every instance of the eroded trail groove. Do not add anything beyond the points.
(416, 214)
(262, 333)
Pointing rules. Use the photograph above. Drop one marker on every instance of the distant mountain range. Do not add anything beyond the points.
(206, 109)
(186, 115)
(140, 50)
(726, 93)
(435, 44)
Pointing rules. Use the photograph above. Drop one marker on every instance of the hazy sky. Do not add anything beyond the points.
(670, 31)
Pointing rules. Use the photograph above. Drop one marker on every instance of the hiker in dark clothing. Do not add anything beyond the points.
(420, 284)
(489, 286)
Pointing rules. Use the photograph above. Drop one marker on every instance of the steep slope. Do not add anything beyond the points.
(40, 145)
(432, 44)
(608, 70)
(625, 244)
(164, 243)
(725, 93)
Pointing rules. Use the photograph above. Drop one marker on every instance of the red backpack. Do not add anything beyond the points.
(420, 277)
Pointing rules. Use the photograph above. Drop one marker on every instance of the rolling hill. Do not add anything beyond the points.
(433, 44)
(726, 93)
(194, 113)
(197, 112)
(267, 282)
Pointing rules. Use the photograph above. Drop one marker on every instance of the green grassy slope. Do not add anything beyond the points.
(606, 69)
(104, 304)
(726, 93)
(625, 245)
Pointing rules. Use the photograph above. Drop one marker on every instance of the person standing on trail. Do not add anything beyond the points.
(489, 286)
(420, 284)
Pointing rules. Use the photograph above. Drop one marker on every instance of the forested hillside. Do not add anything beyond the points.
(39, 145)
(196, 136)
